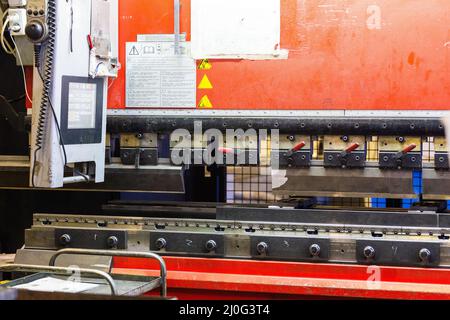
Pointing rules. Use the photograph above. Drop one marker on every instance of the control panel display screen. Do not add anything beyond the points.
(82, 105)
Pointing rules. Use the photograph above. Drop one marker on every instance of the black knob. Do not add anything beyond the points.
(211, 245)
(369, 252)
(424, 255)
(65, 239)
(112, 241)
(35, 31)
(161, 243)
(262, 248)
(41, 12)
(314, 250)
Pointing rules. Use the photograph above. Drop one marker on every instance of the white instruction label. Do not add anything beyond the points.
(156, 77)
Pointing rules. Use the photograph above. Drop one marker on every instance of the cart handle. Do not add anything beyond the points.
(60, 271)
(115, 253)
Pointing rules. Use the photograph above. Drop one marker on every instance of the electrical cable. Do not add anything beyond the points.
(46, 95)
(20, 98)
(23, 69)
(5, 45)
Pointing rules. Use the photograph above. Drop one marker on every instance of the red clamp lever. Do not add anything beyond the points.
(350, 149)
(226, 150)
(406, 150)
(90, 43)
(409, 148)
(299, 146)
(296, 148)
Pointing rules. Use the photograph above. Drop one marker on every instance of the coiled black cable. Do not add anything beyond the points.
(46, 81)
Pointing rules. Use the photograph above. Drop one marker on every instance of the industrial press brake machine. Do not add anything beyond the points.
(315, 130)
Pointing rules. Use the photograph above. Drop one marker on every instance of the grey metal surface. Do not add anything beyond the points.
(238, 236)
(14, 174)
(125, 285)
(162, 281)
(59, 271)
(330, 182)
(335, 217)
(42, 257)
(284, 113)
(436, 184)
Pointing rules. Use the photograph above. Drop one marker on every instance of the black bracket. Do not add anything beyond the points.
(290, 248)
(91, 239)
(392, 160)
(401, 253)
(441, 161)
(354, 159)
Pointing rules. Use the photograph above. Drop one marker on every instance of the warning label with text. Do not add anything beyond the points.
(160, 76)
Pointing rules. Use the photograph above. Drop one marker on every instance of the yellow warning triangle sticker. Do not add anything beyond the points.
(205, 83)
(205, 65)
(205, 103)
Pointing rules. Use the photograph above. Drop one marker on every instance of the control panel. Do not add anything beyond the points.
(37, 28)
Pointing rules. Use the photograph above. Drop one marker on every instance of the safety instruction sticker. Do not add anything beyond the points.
(158, 76)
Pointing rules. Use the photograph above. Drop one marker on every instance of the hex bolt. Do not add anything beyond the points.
(424, 255)
(112, 241)
(262, 248)
(344, 138)
(65, 239)
(291, 138)
(161, 243)
(314, 250)
(369, 252)
(210, 245)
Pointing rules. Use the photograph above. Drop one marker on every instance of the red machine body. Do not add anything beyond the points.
(343, 55)
(199, 278)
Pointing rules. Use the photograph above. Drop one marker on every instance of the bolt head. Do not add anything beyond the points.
(65, 239)
(424, 255)
(161, 243)
(112, 241)
(211, 245)
(314, 250)
(262, 248)
(369, 252)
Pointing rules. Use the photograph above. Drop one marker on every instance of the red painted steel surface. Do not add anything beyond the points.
(344, 54)
(197, 278)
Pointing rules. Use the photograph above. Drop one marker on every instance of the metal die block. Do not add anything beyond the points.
(192, 243)
(396, 144)
(290, 248)
(436, 184)
(440, 144)
(340, 143)
(287, 142)
(90, 238)
(401, 253)
(142, 140)
(139, 156)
